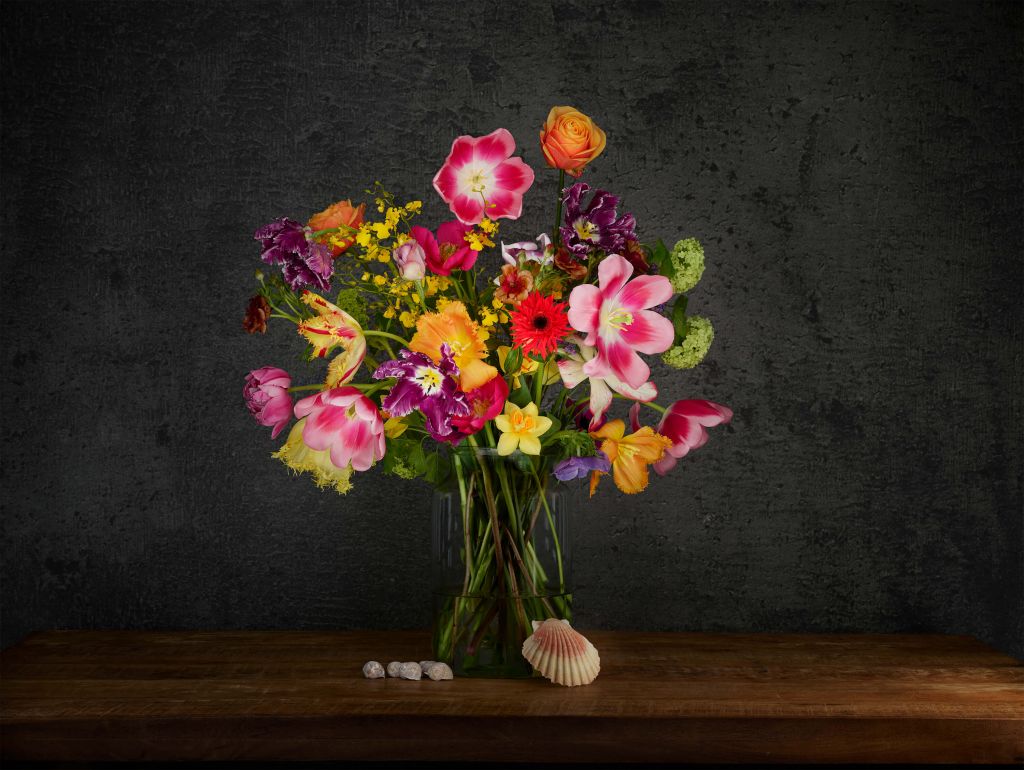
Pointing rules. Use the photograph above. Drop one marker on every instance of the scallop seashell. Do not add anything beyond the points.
(561, 654)
(373, 670)
(438, 671)
(394, 669)
(410, 670)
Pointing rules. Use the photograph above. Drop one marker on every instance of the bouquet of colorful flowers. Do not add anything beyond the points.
(498, 387)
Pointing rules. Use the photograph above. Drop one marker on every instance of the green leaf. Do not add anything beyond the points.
(661, 257)
(679, 318)
(438, 468)
(522, 396)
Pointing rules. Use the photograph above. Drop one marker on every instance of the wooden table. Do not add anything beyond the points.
(87, 695)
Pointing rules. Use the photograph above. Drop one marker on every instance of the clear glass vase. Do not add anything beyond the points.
(502, 559)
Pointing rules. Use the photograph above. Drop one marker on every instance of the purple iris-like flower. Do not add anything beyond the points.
(303, 261)
(427, 386)
(580, 467)
(595, 225)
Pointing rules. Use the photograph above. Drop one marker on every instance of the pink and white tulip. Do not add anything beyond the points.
(615, 317)
(346, 423)
(266, 394)
(685, 424)
(411, 260)
(601, 388)
(480, 178)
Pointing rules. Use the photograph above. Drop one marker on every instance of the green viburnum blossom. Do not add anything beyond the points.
(687, 264)
(353, 302)
(699, 335)
(398, 468)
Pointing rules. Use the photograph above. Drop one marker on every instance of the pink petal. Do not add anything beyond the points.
(584, 305)
(646, 291)
(665, 464)
(646, 392)
(612, 274)
(494, 148)
(468, 208)
(514, 176)
(634, 417)
(446, 182)
(503, 204)
(649, 332)
(462, 152)
(452, 232)
(705, 412)
(426, 240)
(623, 362)
(306, 405)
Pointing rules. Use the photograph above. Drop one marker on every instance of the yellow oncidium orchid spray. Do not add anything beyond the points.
(521, 428)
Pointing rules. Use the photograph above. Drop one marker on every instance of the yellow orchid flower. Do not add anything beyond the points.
(521, 428)
(630, 455)
(454, 326)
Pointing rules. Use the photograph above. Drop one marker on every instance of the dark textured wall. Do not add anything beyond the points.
(854, 170)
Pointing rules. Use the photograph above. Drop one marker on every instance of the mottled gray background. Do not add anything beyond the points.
(854, 170)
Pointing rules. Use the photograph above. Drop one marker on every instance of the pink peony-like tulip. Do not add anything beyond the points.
(481, 178)
(615, 317)
(266, 395)
(685, 424)
(345, 422)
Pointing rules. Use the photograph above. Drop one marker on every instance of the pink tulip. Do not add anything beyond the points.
(481, 178)
(615, 317)
(345, 422)
(685, 423)
(266, 395)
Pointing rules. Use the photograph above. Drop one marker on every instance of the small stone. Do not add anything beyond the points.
(425, 664)
(373, 670)
(410, 670)
(439, 671)
(394, 667)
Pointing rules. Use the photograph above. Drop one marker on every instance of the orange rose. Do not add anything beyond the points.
(570, 140)
(341, 213)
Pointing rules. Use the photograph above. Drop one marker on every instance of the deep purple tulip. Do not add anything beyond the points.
(303, 261)
(427, 386)
(594, 226)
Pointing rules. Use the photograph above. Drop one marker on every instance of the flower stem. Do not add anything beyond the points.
(385, 335)
(557, 234)
(297, 388)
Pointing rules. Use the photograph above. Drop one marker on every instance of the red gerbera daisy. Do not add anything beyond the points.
(538, 324)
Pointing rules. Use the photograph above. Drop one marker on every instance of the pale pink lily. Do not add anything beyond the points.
(345, 423)
(480, 178)
(330, 328)
(685, 424)
(601, 388)
(615, 317)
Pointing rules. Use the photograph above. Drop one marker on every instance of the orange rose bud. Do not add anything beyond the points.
(570, 140)
(336, 215)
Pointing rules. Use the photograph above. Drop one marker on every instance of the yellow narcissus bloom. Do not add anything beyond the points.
(521, 428)
(630, 455)
(454, 326)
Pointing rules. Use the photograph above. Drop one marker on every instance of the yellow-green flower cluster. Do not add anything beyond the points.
(372, 237)
(687, 264)
(699, 335)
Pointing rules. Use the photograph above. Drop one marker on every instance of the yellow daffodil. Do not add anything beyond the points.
(521, 428)
(630, 455)
(454, 326)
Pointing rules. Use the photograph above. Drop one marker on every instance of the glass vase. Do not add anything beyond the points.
(502, 559)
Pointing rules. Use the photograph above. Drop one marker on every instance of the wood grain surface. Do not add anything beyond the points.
(92, 696)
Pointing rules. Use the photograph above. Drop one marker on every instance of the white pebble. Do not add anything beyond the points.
(373, 670)
(394, 667)
(410, 670)
(439, 671)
